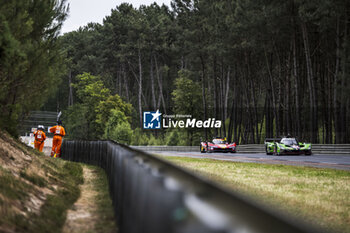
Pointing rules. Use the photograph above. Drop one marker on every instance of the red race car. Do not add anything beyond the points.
(218, 145)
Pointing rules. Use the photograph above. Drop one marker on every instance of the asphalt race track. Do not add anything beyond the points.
(341, 162)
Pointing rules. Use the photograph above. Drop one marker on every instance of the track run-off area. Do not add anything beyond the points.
(341, 162)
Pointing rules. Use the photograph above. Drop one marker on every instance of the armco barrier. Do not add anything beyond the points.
(167, 148)
(342, 149)
(151, 195)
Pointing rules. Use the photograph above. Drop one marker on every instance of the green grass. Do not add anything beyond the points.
(12, 188)
(33, 178)
(319, 196)
(105, 221)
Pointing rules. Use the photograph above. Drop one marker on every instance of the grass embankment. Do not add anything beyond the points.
(35, 190)
(320, 196)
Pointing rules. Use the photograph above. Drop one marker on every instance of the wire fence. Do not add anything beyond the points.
(151, 195)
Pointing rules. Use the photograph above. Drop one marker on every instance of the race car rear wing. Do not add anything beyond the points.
(272, 140)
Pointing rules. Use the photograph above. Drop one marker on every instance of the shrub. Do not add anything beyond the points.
(139, 138)
(172, 138)
(121, 133)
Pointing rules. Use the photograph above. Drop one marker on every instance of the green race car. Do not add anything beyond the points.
(286, 145)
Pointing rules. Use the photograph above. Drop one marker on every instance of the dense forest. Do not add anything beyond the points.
(265, 68)
(31, 60)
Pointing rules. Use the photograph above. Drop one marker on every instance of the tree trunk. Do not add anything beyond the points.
(215, 96)
(329, 109)
(154, 106)
(227, 91)
(310, 81)
(160, 84)
(335, 85)
(140, 87)
(119, 75)
(255, 135)
(203, 95)
(345, 75)
(70, 97)
(125, 83)
(296, 87)
(232, 118)
(272, 90)
(287, 96)
(279, 116)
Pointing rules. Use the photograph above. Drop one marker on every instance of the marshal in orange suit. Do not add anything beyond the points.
(40, 137)
(59, 133)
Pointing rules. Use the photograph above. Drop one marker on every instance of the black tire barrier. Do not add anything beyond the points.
(151, 195)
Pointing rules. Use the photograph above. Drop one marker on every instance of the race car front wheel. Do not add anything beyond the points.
(267, 151)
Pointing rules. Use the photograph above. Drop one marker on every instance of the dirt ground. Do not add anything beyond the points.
(82, 217)
(17, 161)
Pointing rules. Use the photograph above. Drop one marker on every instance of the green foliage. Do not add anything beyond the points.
(153, 141)
(176, 137)
(76, 121)
(172, 138)
(121, 133)
(90, 89)
(118, 127)
(113, 109)
(31, 62)
(98, 113)
(116, 118)
(187, 98)
(187, 95)
(204, 57)
(156, 140)
(139, 138)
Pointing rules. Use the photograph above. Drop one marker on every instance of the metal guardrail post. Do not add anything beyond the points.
(151, 195)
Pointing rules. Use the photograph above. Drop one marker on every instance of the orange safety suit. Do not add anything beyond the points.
(39, 139)
(59, 133)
